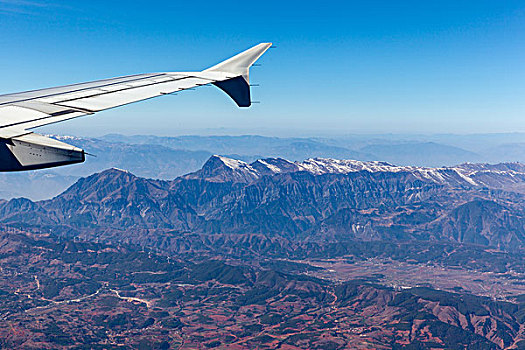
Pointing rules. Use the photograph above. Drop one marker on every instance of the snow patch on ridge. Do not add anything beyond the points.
(271, 167)
(233, 163)
(120, 170)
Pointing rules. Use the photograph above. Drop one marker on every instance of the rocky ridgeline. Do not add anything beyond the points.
(219, 169)
(317, 199)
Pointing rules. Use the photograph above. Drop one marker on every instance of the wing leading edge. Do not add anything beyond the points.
(21, 149)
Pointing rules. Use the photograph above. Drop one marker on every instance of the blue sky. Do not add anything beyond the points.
(339, 67)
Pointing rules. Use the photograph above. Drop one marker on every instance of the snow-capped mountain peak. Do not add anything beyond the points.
(220, 168)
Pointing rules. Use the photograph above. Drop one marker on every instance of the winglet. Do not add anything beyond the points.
(238, 87)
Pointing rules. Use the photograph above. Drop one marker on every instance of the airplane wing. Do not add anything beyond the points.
(22, 149)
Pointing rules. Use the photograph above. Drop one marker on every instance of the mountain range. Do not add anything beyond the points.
(322, 200)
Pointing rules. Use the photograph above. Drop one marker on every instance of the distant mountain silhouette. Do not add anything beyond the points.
(422, 153)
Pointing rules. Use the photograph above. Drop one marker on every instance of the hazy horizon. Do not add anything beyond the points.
(280, 133)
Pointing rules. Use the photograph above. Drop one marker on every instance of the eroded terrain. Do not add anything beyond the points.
(87, 295)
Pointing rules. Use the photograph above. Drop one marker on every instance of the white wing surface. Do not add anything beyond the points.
(21, 149)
